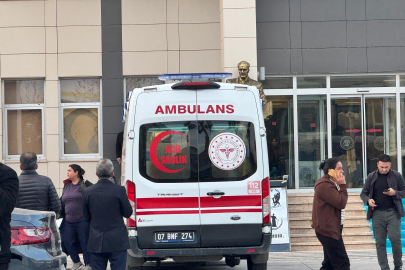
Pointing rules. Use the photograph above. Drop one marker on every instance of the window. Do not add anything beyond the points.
(81, 113)
(23, 117)
(173, 152)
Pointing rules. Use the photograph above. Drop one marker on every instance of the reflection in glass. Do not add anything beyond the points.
(278, 83)
(24, 131)
(362, 81)
(347, 138)
(380, 115)
(80, 128)
(137, 82)
(403, 131)
(23, 92)
(80, 90)
(312, 135)
(280, 139)
(311, 82)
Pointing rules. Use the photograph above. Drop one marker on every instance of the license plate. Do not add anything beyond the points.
(174, 237)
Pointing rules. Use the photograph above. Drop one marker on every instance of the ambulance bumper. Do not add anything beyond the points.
(136, 252)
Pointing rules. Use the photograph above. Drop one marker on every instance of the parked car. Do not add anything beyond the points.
(35, 241)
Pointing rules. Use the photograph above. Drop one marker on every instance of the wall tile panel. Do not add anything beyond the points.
(323, 10)
(72, 39)
(205, 36)
(268, 41)
(18, 40)
(78, 12)
(323, 34)
(357, 60)
(143, 11)
(198, 11)
(23, 65)
(79, 64)
(324, 60)
(144, 37)
(276, 61)
(272, 11)
(200, 61)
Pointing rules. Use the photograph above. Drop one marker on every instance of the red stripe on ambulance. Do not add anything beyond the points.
(168, 202)
(230, 201)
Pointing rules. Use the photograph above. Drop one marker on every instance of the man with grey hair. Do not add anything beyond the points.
(36, 192)
(105, 203)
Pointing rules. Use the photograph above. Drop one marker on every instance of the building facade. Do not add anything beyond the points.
(334, 72)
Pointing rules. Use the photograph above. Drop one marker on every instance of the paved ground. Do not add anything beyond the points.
(360, 260)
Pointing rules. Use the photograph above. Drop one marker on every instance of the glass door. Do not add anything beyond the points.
(363, 127)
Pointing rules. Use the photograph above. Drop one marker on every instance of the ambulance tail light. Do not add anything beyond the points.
(266, 201)
(130, 187)
(195, 85)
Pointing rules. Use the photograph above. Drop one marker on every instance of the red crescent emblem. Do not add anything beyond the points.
(153, 155)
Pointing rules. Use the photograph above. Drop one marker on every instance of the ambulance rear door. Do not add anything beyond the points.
(230, 168)
(166, 176)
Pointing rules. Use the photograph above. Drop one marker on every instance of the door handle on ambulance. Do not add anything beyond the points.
(216, 193)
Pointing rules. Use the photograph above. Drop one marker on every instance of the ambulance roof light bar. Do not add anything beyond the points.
(194, 76)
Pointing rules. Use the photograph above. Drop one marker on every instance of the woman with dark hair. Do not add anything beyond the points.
(328, 214)
(74, 228)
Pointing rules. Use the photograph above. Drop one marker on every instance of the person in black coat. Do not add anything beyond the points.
(8, 199)
(36, 192)
(104, 206)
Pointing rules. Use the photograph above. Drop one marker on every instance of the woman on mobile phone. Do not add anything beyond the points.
(328, 214)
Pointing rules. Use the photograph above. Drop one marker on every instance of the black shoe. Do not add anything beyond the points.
(398, 267)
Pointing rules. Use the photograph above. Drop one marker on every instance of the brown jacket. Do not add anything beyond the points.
(327, 206)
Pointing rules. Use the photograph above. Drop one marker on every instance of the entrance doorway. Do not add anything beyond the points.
(362, 128)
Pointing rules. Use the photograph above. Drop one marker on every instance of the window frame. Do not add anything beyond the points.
(81, 105)
(17, 107)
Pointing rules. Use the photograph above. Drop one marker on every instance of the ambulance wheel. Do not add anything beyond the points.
(232, 261)
(256, 266)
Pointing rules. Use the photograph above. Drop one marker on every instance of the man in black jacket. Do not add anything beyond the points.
(383, 193)
(8, 198)
(37, 192)
(104, 206)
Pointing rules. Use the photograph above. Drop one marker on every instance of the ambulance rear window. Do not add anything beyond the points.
(165, 152)
(227, 151)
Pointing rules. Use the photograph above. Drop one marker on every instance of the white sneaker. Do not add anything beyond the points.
(77, 266)
(87, 267)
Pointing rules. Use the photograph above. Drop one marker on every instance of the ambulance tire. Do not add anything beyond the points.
(256, 266)
(232, 261)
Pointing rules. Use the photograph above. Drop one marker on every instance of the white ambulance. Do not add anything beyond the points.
(195, 168)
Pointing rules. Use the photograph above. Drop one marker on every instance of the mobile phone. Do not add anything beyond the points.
(333, 173)
(386, 190)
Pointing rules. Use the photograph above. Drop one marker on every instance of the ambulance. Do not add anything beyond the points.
(195, 168)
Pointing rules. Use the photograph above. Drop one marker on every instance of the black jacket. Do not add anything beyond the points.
(395, 181)
(8, 198)
(37, 192)
(104, 206)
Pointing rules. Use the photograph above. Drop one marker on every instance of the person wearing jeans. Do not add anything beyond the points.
(74, 227)
(383, 192)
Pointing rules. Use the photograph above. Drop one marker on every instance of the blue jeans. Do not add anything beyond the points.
(76, 231)
(387, 222)
(118, 260)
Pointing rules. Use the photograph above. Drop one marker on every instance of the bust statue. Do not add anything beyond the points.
(243, 69)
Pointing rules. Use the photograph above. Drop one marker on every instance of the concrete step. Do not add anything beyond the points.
(350, 220)
(346, 229)
(308, 207)
(299, 213)
(310, 199)
(316, 246)
(303, 238)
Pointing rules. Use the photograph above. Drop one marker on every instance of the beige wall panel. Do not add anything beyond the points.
(78, 12)
(235, 51)
(198, 11)
(172, 11)
(173, 60)
(200, 36)
(52, 121)
(235, 27)
(144, 63)
(23, 65)
(200, 61)
(21, 13)
(52, 94)
(53, 173)
(143, 11)
(14, 165)
(144, 37)
(16, 40)
(52, 66)
(42, 168)
(52, 147)
(88, 166)
(1, 147)
(173, 42)
(79, 64)
(50, 12)
(237, 4)
(79, 39)
(51, 42)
